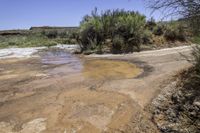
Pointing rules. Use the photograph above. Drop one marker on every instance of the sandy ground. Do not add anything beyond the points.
(54, 98)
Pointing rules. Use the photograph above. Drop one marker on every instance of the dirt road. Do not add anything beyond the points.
(87, 94)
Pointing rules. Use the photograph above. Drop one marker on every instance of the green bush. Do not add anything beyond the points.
(151, 24)
(51, 33)
(72, 41)
(147, 37)
(193, 79)
(12, 43)
(196, 39)
(91, 34)
(31, 40)
(115, 25)
(88, 38)
(158, 30)
(175, 33)
(50, 43)
(181, 34)
(63, 34)
(170, 34)
(196, 55)
(117, 44)
(62, 40)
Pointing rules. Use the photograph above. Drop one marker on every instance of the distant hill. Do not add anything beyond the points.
(14, 32)
(37, 29)
(53, 28)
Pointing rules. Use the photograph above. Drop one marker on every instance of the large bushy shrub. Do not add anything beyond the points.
(117, 44)
(170, 34)
(147, 37)
(116, 25)
(175, 33)
(158, 30)
(151, 24)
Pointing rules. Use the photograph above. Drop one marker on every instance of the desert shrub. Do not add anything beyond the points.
(12, 43)
(196, 39)
(51, 33)
(175, 33)
(30, 40)
(63, 34)
(196, 55)
(117, 44)
(194, 23)
(4, 45)
(72, 41)
(150, 24)
(50, 43)
(62, 40)
(131, 28)
(88, 39)
(73, 35)
(170, 34)
(158, 30)
(147, 37)
(43, 32)
(91, 33)
(181, 34)
(96, 29)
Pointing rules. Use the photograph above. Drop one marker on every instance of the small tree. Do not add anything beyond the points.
(187, 9)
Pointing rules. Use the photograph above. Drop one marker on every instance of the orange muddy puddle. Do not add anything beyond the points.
(109, 69)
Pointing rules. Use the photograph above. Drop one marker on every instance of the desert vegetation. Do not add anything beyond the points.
(177, 108)
(61, 92)
(120, 31)
(189, 12)
(111, 31)
(180, 109)
(40, 36)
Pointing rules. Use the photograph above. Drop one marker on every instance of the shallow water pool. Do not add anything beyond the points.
(89, 68)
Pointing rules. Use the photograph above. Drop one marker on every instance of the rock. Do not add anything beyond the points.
(172, 115)
(177, 97)
(197, 103)
(193, 114)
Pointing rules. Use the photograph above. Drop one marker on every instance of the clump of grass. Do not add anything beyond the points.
(196, 39)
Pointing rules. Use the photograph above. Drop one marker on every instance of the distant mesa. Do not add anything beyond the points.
(13, 32)
(52, 28)
(36, 29)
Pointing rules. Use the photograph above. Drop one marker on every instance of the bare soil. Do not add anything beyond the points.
(105, 96)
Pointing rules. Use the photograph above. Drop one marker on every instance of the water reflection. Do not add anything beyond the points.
(67, 64)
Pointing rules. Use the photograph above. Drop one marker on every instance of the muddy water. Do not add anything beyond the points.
(66, 63)
(109, 69)
(88, 68)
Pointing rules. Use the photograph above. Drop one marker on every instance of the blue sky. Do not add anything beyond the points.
(22, 14)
